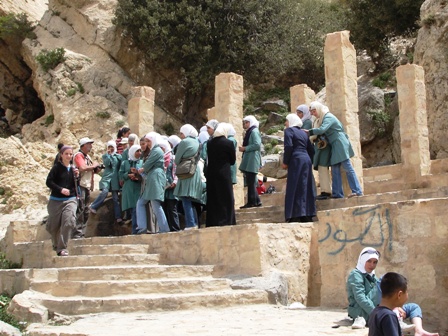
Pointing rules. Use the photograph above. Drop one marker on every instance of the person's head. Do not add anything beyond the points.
(124, 142)
(250, 121)
(293, 120)
(223, 129)
(123, 132)
(135, 152)
(66, 155)
(203, 136)
(165, 145)
(143, 144)
(368, 260)
(152, 139)
(60, 145)
(188, 130)
(173, 140)
(211, 126)
(232, 131)
(318, 109)
(85, 144)
(394, 287)
(132, 139)
(303, 112)
(111, 147)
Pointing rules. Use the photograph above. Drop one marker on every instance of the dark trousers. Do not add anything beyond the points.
(170, 208)
(82, 213)
(252, 195)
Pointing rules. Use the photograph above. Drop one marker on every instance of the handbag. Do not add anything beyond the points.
(187, 167)
(322, 141)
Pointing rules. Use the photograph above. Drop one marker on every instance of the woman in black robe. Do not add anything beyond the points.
(220, 200)
(300, 204)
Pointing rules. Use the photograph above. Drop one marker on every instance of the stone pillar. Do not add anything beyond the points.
(229, 108)
(301, 94)
(141, 110)
(411, 90)
(342, 90)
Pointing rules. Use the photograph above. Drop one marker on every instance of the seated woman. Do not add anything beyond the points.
(364, 295)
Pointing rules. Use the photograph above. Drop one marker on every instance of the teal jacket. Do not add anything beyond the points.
(109, 178)
(362, 293)
(191, 187)
(251, 161)
(155, 178)
(341, 149)
(131, 189)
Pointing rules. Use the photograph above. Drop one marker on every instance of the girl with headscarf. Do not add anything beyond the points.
(132, 140)
(190, 189)
(231, 136)
(364, 294)
(109, 181)
(62, 204)
(154, 188)
(300, 204)
(220, 199)
(170, 203)
(304, 114)
(341, 150)
(251, 160)
(132, 183)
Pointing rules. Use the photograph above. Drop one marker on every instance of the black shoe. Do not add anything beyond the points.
(322, 197)
(246, 206)
(259, 204)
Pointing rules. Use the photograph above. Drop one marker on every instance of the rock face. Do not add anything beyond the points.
(431, 54)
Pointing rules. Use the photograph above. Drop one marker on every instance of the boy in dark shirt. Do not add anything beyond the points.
(382, 320)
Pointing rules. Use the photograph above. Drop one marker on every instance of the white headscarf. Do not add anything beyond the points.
(133, 137)
(294, 120)
(189, 131)
(321, 110)
(222, 130)
(252, 121)
(203, 136)
(203, 129)
(366, 254)
(306, 112)
(232, 131)
(212, 123)
(165, 146)
(174, 140)
(132, 150)
(154, 137)
(113, 144)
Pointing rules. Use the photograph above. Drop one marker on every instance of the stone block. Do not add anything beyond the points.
(301, 94)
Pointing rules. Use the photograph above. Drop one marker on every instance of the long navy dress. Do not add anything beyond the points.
(220, 199)
(300, 204)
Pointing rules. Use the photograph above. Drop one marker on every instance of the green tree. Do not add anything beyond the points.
(16, 26)
(259, 39)
(374, 22)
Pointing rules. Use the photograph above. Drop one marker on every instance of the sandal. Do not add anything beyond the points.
(63, 253)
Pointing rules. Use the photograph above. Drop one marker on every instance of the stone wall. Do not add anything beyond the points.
(412, 238)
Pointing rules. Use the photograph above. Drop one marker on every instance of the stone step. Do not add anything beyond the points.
(106, 260)
(142, 302)
(264, 214)
(109, 288)
(128, 272)
(109, 249)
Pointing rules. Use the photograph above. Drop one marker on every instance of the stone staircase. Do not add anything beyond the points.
(118, 277)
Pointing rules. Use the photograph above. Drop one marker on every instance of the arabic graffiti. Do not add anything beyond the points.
(376, 232)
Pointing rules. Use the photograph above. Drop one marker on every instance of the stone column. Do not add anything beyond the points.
(301, 94)
(229, 108)
(342, 90)
(411, 90)
(141, 110)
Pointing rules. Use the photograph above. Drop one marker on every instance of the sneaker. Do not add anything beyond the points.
(191, 228)
(406, 327)
(354, 195)
(359, 323)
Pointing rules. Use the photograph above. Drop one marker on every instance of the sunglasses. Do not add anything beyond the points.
(372, 252)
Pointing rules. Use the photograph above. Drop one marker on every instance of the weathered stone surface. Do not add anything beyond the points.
(8, 330)
(26, 307)
(301, 94)
(430, 53)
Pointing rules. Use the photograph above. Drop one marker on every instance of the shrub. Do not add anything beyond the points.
(274, 129)
(274, 142)
(71, 92)
(381, 119)
(6, 264)
(103, 115)
(17, 26)
(168, 128)
(428, 21)
(49, 59)
(382, 80)
(267, 148)
(80, 87)
(120, 123)
(49, 120)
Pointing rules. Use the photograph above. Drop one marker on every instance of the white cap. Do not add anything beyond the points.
(83, 141)
(124, 141)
